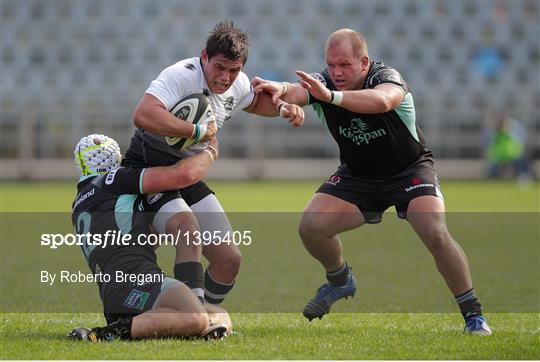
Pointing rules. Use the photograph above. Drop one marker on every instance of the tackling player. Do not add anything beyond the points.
(369, 110)
(218, 74)
(108, 199)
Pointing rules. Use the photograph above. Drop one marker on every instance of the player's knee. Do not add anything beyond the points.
(309, 228)
(235, 262)
(438, 239)
(229, 266)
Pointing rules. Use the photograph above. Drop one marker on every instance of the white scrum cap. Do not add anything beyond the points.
(97, 154)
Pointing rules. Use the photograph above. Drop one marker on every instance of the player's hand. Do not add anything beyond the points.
(211, 130)
(314, 86)
(295, 114)
(213, 144)
(275, 89)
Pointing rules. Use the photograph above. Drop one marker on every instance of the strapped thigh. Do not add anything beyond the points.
(161, 206)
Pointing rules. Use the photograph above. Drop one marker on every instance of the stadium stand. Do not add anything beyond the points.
(74, 67)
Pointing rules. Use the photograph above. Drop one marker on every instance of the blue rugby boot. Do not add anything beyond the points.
(477, 326)
(326, 295)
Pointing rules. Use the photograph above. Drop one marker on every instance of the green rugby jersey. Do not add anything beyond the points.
(374, 146)
(109, 206)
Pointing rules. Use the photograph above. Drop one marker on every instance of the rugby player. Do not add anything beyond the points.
(369, 110)
(108, 199)
(218, 74)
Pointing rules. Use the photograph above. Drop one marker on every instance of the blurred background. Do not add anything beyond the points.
(70, 68)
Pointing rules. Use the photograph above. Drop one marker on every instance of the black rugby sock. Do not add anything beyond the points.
(191, 274)
(468, 304)
(121, 329)
(215, 292)
(339, 276)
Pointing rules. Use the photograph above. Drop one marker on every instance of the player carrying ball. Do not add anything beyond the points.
(217, 72)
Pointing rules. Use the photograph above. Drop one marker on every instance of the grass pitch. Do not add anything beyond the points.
(288, 336)
(393, 270)
(286, 196)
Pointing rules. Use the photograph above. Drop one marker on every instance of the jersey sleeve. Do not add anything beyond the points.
(172, 85)
(384, 74)
(244, 91)
(123, 180)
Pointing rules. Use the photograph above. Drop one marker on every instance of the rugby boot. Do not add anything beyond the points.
(83, 334)
(215, 331)
(326, 295)
(477, 326)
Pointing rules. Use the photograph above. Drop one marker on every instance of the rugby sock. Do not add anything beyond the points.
(469, 304)
(120, 329)
(215, 292)
(191, 274)
(340, 276)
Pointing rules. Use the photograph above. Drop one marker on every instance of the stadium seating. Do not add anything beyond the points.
(74, 67)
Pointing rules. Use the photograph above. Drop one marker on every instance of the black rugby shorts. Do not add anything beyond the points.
(373, 197)
(126, 299)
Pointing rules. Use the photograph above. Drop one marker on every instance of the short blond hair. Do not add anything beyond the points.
(356, 40)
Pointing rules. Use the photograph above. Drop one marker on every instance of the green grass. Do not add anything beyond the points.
(288, 336)
(272, 196)
(495, 222)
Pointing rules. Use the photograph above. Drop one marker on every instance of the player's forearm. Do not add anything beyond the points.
(369, 101)
(184, 173)
(194, 168)
(294, 94)
(160, 121)
(262, 105)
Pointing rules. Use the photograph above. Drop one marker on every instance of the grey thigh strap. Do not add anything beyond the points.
(166, 211)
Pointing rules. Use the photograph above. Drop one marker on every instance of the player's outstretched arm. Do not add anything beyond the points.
(288, 92)
(264, 105)
(184, 173)
(383, 98)
(152, 116)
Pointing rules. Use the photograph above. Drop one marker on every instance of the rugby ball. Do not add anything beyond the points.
(195, 109)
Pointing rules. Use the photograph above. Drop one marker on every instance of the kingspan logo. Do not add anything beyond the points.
(359, 132)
